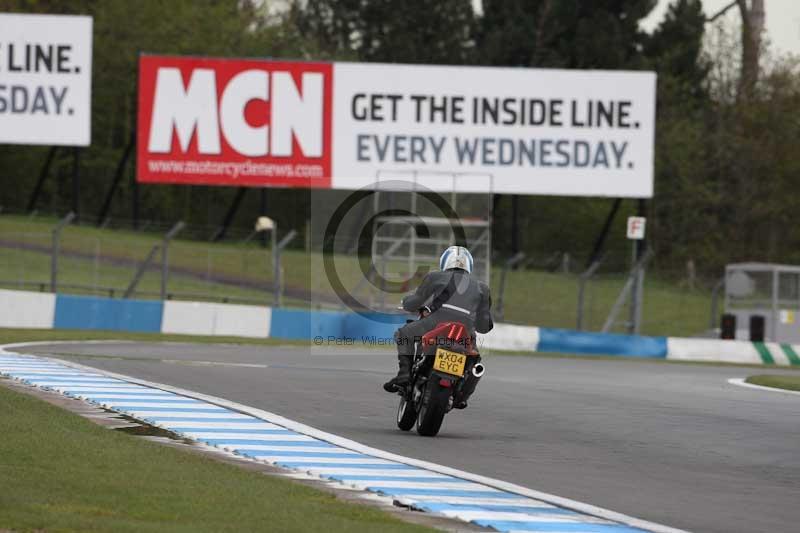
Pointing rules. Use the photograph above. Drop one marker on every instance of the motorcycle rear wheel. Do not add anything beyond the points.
(432, 410)
(406, 414)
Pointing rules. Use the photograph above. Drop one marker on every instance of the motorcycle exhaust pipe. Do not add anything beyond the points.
(471, 381)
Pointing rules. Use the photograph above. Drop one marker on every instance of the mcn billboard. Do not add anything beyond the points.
(346, 125)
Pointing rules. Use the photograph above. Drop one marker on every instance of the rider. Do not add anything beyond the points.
(450, 295)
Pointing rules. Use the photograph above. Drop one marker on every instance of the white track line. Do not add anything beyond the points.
(276, 450)
(166, 415)
(224, 425)
(322, 471)
(173, 405)
(367, 450)
(742, 383)
(249, 436)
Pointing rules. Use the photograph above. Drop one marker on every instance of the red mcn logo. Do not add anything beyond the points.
(234, 122)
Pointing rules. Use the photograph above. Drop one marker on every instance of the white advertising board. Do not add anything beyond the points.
(45, 79)
(528, 131)
(263, 123)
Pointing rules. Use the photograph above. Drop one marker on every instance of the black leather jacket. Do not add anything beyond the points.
(454, 295)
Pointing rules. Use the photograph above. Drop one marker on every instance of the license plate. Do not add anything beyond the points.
(449, 362)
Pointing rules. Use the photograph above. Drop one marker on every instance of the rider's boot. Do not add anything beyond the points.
(402, 377)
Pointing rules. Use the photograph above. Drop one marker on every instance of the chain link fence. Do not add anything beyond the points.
(120, 264)
(540, 290)
(546, 290)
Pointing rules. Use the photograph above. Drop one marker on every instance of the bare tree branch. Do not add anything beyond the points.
(721, 12)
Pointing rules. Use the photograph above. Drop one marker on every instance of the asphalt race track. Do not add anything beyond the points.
(670, 443)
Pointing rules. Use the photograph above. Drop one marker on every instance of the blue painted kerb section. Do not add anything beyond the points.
(569, 341)
(88, 312)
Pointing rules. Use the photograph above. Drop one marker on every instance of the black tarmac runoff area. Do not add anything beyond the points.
(670, 443)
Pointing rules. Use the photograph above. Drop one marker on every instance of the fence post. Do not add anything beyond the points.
(277, 249)
(165, 256)
(582, 280)
(55, 249)
(140, 272)
(715, 302)
(509, 264)
(634, 278)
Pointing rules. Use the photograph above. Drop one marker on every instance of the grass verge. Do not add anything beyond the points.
(11, 335)
(96, 257)
(776, 382)
(60, 472)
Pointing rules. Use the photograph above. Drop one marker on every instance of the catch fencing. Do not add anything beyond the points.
(553, 290)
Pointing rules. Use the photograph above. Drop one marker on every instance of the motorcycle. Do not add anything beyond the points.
(445, 371)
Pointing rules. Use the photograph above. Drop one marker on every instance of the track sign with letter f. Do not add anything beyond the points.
(636, 227)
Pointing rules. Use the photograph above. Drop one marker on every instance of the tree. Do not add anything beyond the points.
(413, 31)
(559, 34)
(753, 16)
(122, 30)
(563, 33)
(675, 51)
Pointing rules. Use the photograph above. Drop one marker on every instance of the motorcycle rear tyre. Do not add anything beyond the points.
(433, 408)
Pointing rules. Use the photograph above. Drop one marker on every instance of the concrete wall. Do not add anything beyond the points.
(202, 318)
(21, 309)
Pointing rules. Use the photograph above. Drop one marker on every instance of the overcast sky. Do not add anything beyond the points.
(783, 20)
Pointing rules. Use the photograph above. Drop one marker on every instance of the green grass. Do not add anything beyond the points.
(12, 335)
(550, 300)
(778, 382)
(532, 297)
(60, 472)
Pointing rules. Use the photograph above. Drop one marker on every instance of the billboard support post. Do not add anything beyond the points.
(121, 166)
(226, 221)
(263, 209)
(276, 268)
(42, 177)
(76, 183)
(515, 224)
(601, 239)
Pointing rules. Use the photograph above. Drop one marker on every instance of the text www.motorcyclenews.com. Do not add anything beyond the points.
(234, 169)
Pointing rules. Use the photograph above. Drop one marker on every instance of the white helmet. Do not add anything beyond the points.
(456, 257)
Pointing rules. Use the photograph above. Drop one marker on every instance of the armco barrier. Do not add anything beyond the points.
(22, 309)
